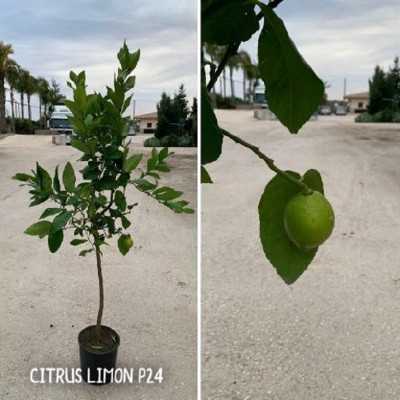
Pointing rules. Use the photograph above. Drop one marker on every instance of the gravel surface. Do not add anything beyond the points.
(335, 333)
(45, 300)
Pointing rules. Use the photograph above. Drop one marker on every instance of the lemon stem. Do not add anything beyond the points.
(270, 163)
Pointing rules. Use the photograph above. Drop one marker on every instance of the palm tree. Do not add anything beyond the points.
(21, 84)
(55, 95)
(253, 76)
(5, 51)
(12, 75)
(233, 64)
(245, 63)
(30, 89)
(43, 89)
(216, 54)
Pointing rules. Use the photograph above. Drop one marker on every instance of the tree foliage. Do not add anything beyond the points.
(384, 89)
(93, 203)
(294, 92)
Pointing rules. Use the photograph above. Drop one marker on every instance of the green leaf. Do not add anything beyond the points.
(50, 211)
(40, 229)
(125, 222)
(144, 185)
(288, 260)
(61, 220)
(313, 180)
(168, 195)
(84, 252)
(293, 90)
(205, 176)
(163, 154)
(227, 21)
(69, 178)
(162, 168)
(120, 200)
(132, 162)
(211, 138)
(84, 148)
(45, 182)
(22, 177)
(125, 243)
(77, 242)
(56, 181)
(55, 240)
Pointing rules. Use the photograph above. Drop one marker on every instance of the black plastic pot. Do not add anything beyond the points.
(94, 361)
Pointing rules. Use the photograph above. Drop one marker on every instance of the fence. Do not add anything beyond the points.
(18, 106)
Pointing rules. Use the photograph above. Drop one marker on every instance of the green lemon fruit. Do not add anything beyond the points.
(309, 220)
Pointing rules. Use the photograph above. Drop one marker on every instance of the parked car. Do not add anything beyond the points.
(340, 110)
(325, 110)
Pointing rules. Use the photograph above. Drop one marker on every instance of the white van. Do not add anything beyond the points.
(60, 126)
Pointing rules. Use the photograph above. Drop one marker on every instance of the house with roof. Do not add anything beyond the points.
(357, 102)
(147, 122)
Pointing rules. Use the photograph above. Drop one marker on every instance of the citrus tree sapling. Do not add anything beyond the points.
(96, 208)
(295, 217)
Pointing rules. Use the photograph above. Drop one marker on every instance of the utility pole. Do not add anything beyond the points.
(344, 88)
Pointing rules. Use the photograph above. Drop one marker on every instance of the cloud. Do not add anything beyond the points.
(51, 38)
(342, 39)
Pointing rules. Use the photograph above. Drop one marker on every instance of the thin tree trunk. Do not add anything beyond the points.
(40, 111)
(244, 84)
(250, 91)
(232, 83)
(220, 87)
(101, 293)
(29, 107)
(22, 105)
(224, 81)
(3, 122)
(12, 110)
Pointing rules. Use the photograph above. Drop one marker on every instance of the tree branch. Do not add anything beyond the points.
(270, 163)
(233, 48)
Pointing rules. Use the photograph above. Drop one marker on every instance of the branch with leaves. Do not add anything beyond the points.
(293, 93)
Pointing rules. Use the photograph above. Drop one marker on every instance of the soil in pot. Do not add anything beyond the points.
(98, 354)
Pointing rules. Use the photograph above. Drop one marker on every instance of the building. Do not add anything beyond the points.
(147, 122)
(357, 102)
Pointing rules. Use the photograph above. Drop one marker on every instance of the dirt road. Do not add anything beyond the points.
(334, 334)
(45, 300)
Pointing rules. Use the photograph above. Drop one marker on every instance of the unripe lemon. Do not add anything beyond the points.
(309, 220)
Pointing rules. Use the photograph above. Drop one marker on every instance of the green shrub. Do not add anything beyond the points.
(224, 102)
(386, 115)
(152, 142)
(170, 141)
(24, 127)
(364, 117)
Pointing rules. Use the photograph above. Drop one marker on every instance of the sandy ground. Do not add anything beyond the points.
(334, 334)
(45, 300)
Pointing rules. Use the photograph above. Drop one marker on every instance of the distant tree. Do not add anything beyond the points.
(30, 88)
(172, 114)
(55, 95)
(21, 84)
(5, 51)
(12, 74)
(378, 91)
(181, 104)
(191, 125)
(43, 88)
(244, 62)
(165, 113)
(393, 83)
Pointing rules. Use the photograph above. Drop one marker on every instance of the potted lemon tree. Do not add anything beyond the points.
(96, 207)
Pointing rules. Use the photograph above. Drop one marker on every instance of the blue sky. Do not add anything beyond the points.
(341, 38)
(52, 37)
